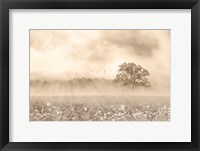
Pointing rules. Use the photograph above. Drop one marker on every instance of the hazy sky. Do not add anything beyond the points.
(66, 54)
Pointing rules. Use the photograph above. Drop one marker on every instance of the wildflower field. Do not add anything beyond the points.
(100, 108)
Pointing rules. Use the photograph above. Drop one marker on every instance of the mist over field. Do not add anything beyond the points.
(99, 75)
(84, 86)
(57, 56)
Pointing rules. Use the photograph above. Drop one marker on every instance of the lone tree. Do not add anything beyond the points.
(132, 75)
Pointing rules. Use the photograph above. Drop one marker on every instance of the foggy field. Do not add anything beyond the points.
(99, 75)
(100, 108)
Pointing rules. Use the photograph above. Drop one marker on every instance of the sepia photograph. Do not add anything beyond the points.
(99, 75)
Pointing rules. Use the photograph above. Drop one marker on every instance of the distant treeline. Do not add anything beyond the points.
(73, 83)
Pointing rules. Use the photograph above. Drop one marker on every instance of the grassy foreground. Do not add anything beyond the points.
(100, 108)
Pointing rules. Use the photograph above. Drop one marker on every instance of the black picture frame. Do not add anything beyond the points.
(5, 5)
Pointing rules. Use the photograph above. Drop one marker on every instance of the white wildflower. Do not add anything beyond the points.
(122, 107)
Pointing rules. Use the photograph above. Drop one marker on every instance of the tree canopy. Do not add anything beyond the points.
(132, 75)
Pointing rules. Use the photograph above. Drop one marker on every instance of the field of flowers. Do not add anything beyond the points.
(99, 108)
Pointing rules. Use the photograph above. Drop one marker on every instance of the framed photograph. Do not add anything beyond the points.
(99, 75)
